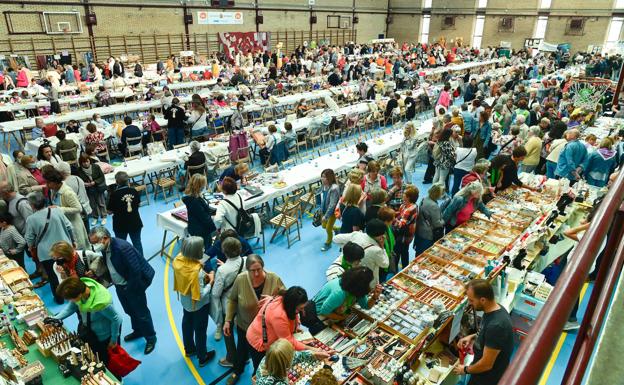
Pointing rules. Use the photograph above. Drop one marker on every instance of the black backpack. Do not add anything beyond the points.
(245, 225)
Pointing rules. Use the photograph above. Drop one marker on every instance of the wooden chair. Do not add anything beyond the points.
(192, 170)
(323, 151)
(218, 125)
(181, 145)
(308, 200)
(160, 133)
(285, 220)
(103, 154)
(166, 181)
(223, 162)
(134, 148)
(139, 184)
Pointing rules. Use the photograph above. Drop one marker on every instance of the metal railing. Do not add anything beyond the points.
(534, 353)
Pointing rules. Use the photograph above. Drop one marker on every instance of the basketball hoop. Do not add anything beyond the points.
(587, 92)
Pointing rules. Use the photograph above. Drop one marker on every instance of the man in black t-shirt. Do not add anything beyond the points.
(124, 205)
(493, 344)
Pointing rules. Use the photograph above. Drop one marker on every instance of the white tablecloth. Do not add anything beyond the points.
(163, 161)
(304, 174)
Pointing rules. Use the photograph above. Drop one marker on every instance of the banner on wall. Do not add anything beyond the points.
(223, 18)
(244, 42)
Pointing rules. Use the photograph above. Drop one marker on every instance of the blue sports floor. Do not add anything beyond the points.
(303, 264)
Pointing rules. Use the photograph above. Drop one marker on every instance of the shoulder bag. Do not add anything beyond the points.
(33, 249)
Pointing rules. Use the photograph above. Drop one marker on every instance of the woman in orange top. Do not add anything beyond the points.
(388, 68)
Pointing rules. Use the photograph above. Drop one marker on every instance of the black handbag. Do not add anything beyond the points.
(84, 330)
(317, 220)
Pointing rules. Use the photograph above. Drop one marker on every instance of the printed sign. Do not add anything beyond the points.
(223, 18)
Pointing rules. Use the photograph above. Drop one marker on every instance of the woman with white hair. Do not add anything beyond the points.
(524, 129)
(533, 146)
(193, 286)
(196, 158)
(464, 203)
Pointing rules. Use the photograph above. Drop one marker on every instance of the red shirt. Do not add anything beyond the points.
(464, 214)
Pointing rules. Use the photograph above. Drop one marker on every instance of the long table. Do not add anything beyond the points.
(304, 174)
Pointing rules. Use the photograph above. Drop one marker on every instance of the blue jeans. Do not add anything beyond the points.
(194, 331)
(199, 132)
(134, 304)
(421, 244)
(176, 136)
(458, 174)
(135, 238)
(550, 168)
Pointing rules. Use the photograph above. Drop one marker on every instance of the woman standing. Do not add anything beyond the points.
(465, 158)
(600, 164)
(277, 318)
(193, 286)
(464, 203)
(330, 194)
(372, 180)
(409, 151)
(12, 243)
(221, 288)
(199, 213)
(443, 157)
(430, 225)
(249, 287)
(227, 210)
(95, 183)
(237, 121)
(405, 224)
(334, 301)
(198, 119)
(482, 135)
(28, 176)
(351, 216)
(69, 262)
(95, 309)
(533, 147)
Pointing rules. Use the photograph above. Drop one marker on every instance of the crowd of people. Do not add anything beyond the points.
(485, 131)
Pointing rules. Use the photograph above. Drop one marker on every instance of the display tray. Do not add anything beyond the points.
(442, 253)
(407, 283)
(411, 321)
(474, 265)
(429, 295)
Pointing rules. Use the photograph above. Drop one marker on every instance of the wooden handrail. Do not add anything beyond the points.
(534, 352)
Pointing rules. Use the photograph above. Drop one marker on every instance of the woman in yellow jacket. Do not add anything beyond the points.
(533, 147)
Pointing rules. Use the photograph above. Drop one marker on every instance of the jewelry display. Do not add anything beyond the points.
(389, 299)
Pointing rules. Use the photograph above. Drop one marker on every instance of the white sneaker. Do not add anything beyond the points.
(218, 334)
(103, 221)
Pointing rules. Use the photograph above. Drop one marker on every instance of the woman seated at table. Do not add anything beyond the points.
(280, 357)
(152, 127)
(334, 301)
(95, 138)
(237, 172)
(64, 145)
(196, 158)
(227, 209)
(302, 109)
(100, 123)
(270, 141)
(45, 156)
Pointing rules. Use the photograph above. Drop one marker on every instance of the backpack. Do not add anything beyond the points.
(245, 225)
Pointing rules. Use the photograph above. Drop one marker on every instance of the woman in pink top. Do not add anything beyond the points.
(76, 73)
(22, 77)
(445, 98)
(278, 318)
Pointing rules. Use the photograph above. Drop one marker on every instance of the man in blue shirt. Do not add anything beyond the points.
(572, 157)
(130, 131)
